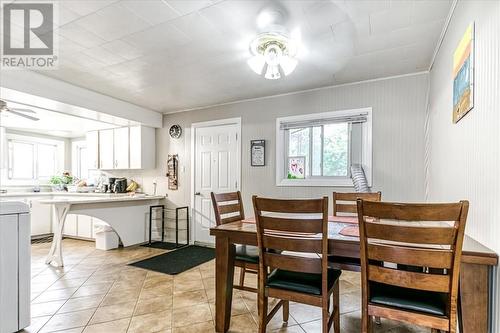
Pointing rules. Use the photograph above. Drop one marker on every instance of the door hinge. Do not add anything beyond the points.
(236, 184)
(236, 136)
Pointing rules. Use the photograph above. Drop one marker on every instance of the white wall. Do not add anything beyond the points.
(398, 142)
(465, 157)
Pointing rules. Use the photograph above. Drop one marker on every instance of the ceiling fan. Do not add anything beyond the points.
(17, 112)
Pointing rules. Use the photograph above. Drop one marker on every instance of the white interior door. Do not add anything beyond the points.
(216, 165)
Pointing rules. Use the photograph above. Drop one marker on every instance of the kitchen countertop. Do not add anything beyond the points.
(62, 194)
(121, 198)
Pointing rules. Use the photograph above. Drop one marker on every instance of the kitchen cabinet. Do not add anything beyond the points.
(93, 150)
(70, 226)
(121, 148)
(142, 147)
(41, 217)
(78, 226)
(106, 149)
(84, 226)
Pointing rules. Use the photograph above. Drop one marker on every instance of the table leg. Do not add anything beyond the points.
(55, 254)
(224, 275)
(473, 298)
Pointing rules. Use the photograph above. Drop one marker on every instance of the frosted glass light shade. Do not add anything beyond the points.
(288, 65)
(257, 63)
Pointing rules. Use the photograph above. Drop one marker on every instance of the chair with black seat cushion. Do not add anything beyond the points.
(292, 236)
(228, 207)
(428, 236)
(344, 204)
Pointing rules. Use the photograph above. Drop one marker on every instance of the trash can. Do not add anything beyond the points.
(105, 237)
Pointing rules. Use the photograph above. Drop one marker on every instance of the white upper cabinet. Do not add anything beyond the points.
(121, 148)
(93, 150)
(142, 147)
(106, 148)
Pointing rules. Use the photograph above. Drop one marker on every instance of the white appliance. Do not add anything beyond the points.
(15, 266)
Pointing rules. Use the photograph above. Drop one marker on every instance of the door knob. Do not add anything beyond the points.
(197, 193)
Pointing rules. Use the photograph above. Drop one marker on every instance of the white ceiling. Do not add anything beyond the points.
(50, 122)
(169, 55)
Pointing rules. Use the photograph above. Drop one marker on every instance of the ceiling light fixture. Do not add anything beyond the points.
(273, 52)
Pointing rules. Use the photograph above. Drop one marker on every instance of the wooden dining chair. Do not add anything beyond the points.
(228, 207)
(428, 236)
(344, 204)
(295, 248)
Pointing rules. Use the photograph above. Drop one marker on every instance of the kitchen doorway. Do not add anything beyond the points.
(216, 156)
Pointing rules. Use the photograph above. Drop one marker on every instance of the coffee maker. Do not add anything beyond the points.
(120, 185)
(111, 182)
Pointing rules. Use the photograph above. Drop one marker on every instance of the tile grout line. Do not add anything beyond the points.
(52, 316)
(137, 301)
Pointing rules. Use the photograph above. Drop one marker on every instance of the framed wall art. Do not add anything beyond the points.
(296, 168)
(172, 171)
(463, 75)
(258, 152)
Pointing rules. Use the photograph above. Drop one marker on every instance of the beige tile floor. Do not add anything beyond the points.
(96, 292)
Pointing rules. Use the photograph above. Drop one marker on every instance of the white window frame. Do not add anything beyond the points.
(366, 154)
(76, 163)
(34, 140)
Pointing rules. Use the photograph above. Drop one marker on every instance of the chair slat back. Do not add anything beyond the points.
(228, 207)
(345, 203)
(419, 235)
(299, 226)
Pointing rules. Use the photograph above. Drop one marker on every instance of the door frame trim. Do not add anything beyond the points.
(203, 124)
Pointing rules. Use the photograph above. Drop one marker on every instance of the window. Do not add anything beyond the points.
(79, 159)
(326, 149)
(32, 159)
(319, 149)
(21, 160)
(47, 157)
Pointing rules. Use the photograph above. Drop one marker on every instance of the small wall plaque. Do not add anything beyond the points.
(172, 171)
(258, 152)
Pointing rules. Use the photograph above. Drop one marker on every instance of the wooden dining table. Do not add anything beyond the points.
(477, 261)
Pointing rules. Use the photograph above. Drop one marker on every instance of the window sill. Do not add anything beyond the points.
(342, 182)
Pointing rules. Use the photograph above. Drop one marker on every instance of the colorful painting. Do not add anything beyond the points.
(297, 167)
(463, 75)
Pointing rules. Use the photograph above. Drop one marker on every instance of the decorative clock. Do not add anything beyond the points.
(175, 131)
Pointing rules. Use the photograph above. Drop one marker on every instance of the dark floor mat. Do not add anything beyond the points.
(177, 261)
(164, 245)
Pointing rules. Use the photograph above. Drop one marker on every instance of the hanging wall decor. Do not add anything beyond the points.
(296, 167)
(172, 171)
(258, 152)
(463, 75)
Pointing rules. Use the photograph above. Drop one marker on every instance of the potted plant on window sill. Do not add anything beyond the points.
(60, 183)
